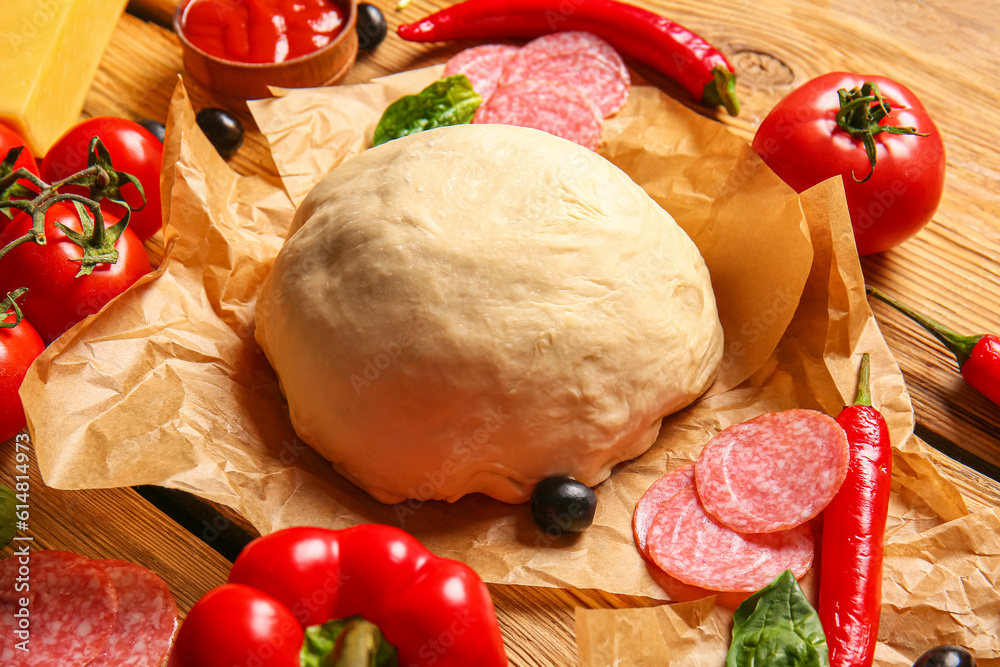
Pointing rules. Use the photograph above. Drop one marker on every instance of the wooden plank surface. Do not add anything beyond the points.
(946, 51)
(111, 523)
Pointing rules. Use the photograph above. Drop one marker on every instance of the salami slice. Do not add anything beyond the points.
(691, 546)
(71, 609)
(660, 492)
(147, 617)
(575, 41)
(596, 80)
(554, 109)
(772, 472)
(482, 64)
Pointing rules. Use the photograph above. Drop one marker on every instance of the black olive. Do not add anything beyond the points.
(155, 127)
(563, 505)
(371, 26)
(223, 129)
(946, 655)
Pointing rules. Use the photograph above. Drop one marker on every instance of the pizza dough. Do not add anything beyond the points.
(478, 307)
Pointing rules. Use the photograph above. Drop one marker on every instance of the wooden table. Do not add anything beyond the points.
(945, 50)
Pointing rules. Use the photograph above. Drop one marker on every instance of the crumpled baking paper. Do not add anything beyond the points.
(167, 386)
(940, 587)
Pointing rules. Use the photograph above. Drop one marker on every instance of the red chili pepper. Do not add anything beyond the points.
(850, 580)
(635, 32)
(434, 611)
(978, 356)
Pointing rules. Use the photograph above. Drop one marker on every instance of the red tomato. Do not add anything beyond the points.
(802, 142)
(18, 348)
(133, 149)
(238, 625)
(56, 298)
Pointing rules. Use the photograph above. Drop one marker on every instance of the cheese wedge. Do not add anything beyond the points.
(50, 50)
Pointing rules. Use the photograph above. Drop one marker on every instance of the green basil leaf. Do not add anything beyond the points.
(447, 101)
(8, 516)
(348, 642)
(777, 626)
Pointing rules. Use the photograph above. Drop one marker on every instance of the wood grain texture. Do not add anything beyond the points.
(113, 523)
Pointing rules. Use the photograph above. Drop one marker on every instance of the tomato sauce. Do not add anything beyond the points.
(261, 31)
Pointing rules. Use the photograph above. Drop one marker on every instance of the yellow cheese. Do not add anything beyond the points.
(49, 52)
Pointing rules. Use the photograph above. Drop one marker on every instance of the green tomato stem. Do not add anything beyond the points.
(9, 303)
(861, 113)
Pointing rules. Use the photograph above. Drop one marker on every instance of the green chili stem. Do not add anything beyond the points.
(864, 396)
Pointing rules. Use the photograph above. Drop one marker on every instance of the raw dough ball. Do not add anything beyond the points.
(476, 308)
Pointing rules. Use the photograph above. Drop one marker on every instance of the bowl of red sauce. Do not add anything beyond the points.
(240, 47)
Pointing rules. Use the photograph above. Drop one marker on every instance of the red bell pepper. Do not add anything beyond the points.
(434, 611)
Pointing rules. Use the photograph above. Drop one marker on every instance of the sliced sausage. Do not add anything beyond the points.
(72, 606)
(146, 621)
(554, 109)
(660, 492)
(772, 472)
(482, 64)
(575, 41)
(689, 545)
(594, 78)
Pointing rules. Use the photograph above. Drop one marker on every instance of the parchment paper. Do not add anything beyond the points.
(166, 385)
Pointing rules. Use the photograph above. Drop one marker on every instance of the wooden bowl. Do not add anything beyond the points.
(326, 66)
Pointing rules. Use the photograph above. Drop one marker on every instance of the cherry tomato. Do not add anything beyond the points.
(56, 298)
(18, 348)
(238, 625)
(133, 149)
(802, 142)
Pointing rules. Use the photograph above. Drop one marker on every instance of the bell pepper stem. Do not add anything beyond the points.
(357, 645)
(959, 345)
(346, 642)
